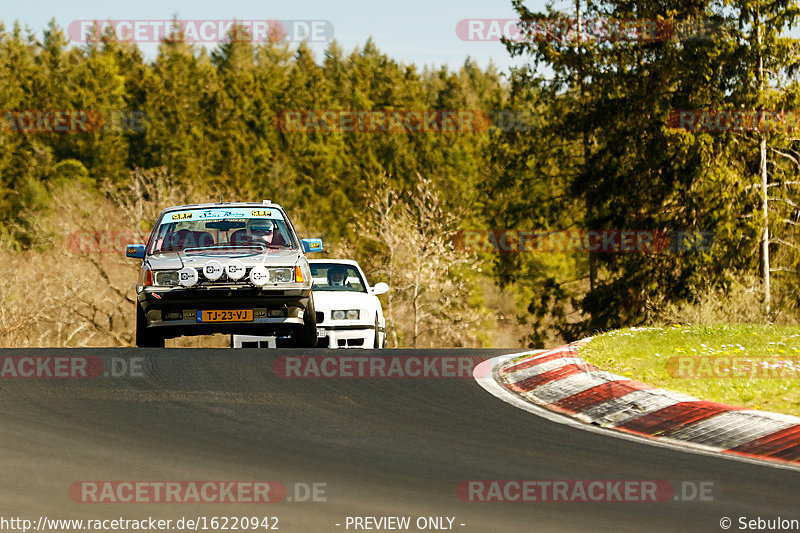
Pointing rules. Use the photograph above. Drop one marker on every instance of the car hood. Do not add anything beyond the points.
(178, 260)
(328, 300)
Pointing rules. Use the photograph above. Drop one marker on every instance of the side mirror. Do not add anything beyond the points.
(311, 245)
(135, 250)
(380, 288)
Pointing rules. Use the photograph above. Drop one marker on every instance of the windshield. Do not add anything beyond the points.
(222, 229)
(336, 277)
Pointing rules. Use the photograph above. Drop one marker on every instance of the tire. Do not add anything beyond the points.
(307, 333)
(377, 343)
(145, 338)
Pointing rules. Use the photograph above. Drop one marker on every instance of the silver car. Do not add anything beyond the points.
(231, 268)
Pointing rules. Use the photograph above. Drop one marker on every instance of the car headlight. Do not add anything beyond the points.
(259, 276)
(281, 275)
(349, 314)
(165, 277)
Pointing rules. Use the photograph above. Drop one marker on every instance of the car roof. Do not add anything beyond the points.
(338, 261)
(267, 204)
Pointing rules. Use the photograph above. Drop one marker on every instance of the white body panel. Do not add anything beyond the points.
(340, 333)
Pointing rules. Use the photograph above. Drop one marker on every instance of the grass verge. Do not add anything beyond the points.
(749, 365)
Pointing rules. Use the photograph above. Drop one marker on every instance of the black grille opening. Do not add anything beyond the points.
(172, 314)
(320, 317)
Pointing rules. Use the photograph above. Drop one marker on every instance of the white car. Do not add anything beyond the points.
(349, 314)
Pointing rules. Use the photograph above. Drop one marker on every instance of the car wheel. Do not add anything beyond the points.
(145, 338)
(307, 333)
(377, 343)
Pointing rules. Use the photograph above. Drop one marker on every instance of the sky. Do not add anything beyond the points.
(409, 31)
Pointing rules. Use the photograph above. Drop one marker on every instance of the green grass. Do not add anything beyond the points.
(648, 355)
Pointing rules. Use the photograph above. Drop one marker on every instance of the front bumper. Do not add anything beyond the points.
(174, 311)
(346, 336)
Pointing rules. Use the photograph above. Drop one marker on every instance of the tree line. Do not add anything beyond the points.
(583, 138)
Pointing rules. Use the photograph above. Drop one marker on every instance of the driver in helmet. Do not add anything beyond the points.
(261, 232)
(336, 276)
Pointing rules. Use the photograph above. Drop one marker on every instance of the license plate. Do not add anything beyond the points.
(320, 332)
(236, 315)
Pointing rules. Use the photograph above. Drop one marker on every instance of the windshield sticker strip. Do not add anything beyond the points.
(221, 213)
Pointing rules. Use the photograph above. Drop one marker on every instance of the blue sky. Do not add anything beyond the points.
(410, 31)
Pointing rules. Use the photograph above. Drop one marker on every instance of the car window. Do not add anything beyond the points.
(222, 228)
(336, 277)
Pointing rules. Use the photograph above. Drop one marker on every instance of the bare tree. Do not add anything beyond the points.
(431, 281)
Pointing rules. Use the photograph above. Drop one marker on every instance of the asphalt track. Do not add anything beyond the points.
(381, 447)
